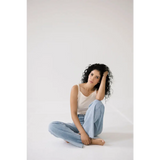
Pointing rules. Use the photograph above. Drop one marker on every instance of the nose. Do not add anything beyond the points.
(92, 79)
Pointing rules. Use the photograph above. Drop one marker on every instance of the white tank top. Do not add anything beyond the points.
(83, 101)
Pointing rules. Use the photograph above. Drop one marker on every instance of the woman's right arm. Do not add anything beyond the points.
(73, 106)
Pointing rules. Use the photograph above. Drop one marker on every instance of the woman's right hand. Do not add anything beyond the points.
(85, 139)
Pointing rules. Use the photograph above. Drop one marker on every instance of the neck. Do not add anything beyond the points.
(88, 86)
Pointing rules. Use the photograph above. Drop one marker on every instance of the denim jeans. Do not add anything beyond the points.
(92, 123)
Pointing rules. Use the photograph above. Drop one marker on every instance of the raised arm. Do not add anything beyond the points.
(101, 92)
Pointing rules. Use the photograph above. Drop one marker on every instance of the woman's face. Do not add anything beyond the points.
(94, 77)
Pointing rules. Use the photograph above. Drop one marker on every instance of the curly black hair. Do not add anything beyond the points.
(101, 68)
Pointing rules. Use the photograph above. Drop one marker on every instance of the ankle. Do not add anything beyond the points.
(91, 140)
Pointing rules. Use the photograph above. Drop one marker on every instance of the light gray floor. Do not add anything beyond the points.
(41, 145)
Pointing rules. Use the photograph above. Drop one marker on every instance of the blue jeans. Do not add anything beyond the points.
(92, 122)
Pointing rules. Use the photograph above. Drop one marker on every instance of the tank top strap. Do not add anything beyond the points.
(78, 89)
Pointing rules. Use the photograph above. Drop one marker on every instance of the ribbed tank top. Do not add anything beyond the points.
(84, 101)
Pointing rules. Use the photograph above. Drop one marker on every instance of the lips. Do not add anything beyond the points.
(91, 81)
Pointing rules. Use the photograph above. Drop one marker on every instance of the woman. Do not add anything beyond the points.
(87, 110)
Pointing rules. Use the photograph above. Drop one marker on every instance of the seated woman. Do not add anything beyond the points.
(87, 110)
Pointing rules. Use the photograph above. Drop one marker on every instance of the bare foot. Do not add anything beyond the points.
(98, 141)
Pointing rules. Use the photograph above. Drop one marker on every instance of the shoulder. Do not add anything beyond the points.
(74, 88)
(74, 91)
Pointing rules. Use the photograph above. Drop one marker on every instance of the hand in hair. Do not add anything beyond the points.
(105, 73)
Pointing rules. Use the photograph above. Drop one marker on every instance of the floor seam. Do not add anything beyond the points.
(122, 115)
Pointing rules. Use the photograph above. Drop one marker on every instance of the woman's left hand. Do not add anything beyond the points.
(105, 73)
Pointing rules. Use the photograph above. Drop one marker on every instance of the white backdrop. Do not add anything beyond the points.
(65, 36)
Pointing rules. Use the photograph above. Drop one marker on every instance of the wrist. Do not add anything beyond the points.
(82, 132)
(104, 75)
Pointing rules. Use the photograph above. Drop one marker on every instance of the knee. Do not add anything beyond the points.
(98, 104)
(97, 101)
(53, 126)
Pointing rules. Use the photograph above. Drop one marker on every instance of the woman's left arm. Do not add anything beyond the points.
(101, 91)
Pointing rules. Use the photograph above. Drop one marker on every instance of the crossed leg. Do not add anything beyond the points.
(93, 124)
